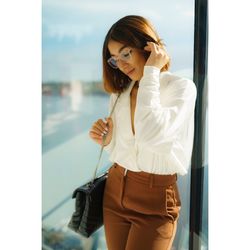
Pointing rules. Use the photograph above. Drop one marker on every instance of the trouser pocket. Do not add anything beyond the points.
(173, 203)
(161, 200)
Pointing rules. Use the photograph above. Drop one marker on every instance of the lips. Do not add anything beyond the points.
(129, 72)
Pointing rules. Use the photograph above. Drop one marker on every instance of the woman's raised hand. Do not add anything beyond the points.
(158, 56)
(101, 128)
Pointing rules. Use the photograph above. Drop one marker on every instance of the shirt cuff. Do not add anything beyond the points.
(148, 70)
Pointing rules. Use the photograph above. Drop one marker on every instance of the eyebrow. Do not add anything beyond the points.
(123, 47)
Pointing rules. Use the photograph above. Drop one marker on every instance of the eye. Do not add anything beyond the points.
(126, 55)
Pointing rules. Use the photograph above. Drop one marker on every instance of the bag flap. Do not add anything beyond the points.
(88, 187)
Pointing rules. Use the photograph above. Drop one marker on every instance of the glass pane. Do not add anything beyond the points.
(72, 99)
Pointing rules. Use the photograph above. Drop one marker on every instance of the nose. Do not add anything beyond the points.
(122, 65)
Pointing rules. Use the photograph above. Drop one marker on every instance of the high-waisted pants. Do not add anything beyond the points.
(140, 210)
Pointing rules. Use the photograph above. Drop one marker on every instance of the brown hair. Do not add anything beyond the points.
(133, 31)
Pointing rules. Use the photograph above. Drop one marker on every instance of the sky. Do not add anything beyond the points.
(73, 32)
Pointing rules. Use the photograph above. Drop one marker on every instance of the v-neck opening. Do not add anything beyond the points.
(130, 116)
(130, 107)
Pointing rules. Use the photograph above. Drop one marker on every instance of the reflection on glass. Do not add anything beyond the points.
(76, 95)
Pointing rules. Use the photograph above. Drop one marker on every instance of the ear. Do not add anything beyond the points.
(147, 47)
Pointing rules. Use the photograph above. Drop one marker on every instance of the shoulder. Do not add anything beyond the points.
(113, 97)
(173, 82)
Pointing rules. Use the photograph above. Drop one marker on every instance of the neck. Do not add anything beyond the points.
(136, 84)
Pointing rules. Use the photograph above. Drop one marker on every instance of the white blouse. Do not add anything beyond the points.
(163, 122)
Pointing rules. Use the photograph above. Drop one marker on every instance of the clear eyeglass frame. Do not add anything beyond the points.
(125, 56)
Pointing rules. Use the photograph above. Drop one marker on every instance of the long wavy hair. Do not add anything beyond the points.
(133, 31)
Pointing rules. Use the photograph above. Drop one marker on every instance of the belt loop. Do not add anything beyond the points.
(125, 172)
(151, 180)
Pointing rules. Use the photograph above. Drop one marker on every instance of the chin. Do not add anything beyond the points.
(136, 77)
(133, 78)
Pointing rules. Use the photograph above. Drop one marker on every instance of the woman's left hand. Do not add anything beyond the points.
(158, 56)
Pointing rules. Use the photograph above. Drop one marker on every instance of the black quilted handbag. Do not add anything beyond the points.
(88, 214)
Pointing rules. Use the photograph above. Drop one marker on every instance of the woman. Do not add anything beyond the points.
(149, 137)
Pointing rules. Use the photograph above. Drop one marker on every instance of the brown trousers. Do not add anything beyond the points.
(140, 210)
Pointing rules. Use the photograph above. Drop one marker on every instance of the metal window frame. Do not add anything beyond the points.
(200, 79)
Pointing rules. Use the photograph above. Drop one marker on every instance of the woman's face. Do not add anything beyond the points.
(129, 60)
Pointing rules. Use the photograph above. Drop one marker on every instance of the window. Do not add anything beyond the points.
(72, 99)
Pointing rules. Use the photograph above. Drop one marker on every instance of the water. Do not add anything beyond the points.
(63, 117)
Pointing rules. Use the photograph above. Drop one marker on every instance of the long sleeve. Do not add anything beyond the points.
(157, 125)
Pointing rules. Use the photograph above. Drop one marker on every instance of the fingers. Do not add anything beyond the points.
(101, 128)
(95, 135)
(158, 56)
(147, 47)
(154, 47)
(109, 122)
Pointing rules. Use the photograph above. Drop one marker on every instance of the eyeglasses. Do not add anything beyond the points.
(125, 56)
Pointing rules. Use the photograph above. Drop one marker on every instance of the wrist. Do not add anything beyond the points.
(150, 69)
